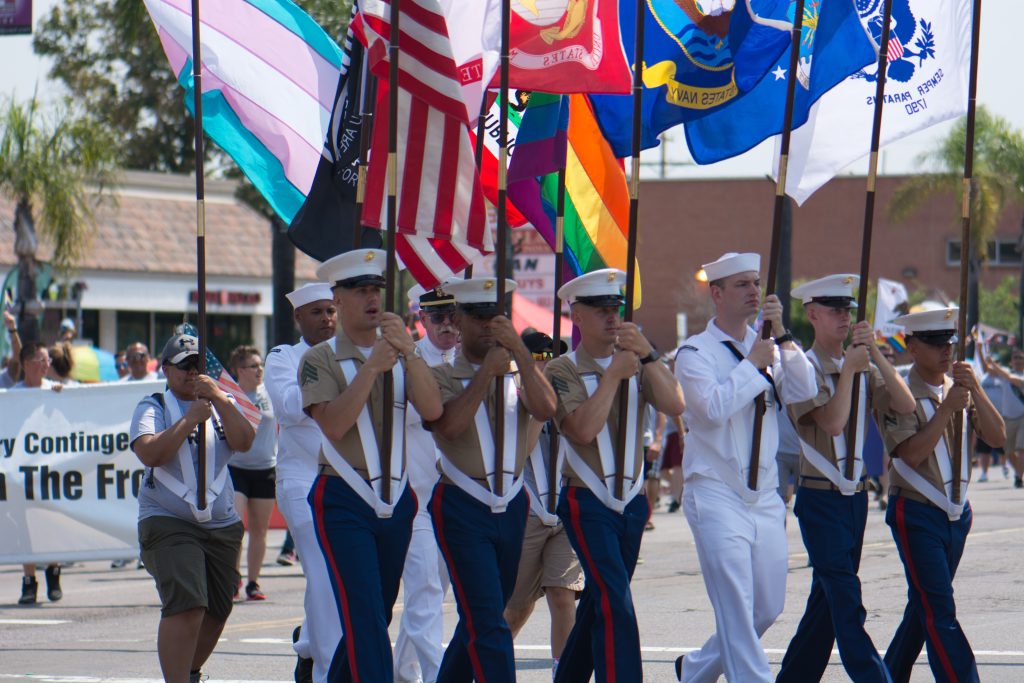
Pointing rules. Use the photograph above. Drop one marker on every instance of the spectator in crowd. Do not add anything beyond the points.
(121, 364)
(252, 471)
(673, 445)
(985, 454)
(788, 456)
(653, 427)
(191, 553)
(138, 358)
(1012, 410)
(61, 364)
(35, 359)
(12, 368)
(68, 331)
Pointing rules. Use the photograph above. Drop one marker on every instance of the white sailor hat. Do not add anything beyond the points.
(834, 291)
(356, 268)
(937, 327)
(730, 264)
(308, 293)
(437, 299)
(600, 288)
(478, 295)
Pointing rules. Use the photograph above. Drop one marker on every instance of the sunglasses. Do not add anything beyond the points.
(136, 356)
(188, 365)
(441, 318)
(122, 366)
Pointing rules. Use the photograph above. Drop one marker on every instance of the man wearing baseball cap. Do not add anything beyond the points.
(929, 523)
(742, 545)
(831, 508)
(297, 465)
(190, 552)
(342, 382)
(605, 527)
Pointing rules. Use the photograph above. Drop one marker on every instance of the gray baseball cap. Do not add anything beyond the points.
(178, 348)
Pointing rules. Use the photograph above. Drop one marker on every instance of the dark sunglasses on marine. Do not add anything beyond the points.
(189, 364)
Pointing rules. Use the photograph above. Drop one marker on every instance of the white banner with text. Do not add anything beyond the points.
(69, 483)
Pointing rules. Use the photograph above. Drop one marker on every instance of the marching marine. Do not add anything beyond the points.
(604, 526)
(832, 509)
(342, 383)
(478, 522)
(929, 521)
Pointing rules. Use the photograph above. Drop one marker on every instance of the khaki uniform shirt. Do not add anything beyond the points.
(322, 380)
(566, 377)
(898, 428)
(878, 401)
(464, 450)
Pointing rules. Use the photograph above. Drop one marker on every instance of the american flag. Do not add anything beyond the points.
(442, 216)
(225, 382)
(895, 50)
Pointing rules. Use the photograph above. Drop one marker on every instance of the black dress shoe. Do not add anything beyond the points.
(53, 591)
(29, 589)
(304, 665)
(679, 668)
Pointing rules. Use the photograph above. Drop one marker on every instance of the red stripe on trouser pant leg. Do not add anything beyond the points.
(606, 608)
(929, 618)
(318, 510)
(478, 670)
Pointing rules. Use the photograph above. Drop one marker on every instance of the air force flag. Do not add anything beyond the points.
(929, 53)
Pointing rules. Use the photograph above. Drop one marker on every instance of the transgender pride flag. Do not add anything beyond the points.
(270, 76)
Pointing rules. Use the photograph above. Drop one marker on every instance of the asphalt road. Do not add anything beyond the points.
(105, 627)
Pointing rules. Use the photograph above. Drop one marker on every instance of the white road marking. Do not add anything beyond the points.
(34, 622)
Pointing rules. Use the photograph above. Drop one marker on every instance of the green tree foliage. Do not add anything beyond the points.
(999, 305)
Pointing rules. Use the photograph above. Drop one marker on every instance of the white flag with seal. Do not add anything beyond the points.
(929, 53)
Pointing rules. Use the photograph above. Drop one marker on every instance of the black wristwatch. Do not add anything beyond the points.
(649, 358)
(787, 337)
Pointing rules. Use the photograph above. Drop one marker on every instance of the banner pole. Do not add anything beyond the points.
(780, 200)
(556, 335)
(197, 103)
(501, 246)
(869, 225)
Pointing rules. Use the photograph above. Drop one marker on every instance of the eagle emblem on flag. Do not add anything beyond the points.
(911, 40)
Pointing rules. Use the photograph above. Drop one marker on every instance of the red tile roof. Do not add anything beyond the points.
(151, 228)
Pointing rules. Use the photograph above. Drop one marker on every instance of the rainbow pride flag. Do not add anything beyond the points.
(596, 214)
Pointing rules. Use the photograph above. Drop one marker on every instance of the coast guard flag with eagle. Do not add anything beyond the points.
(926, 83)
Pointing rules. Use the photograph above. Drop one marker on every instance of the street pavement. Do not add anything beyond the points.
(105, 627)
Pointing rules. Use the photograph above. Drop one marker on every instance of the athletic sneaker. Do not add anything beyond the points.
(983, 477)
(286, 559)
(253, 592)
(238, 592)
(53, 591)
(29, 590)
(197, 677)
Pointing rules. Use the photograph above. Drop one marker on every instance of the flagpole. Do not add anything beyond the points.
(965, 240)
(478, 153)
(780, 200)
(556, 334)
(368, 96)
(869, 224)
(387, 395)
(634, 208)
(501, 264)
(197, 100)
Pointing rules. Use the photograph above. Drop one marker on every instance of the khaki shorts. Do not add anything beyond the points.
(193, 567)
(548, 561)
(1014, 435)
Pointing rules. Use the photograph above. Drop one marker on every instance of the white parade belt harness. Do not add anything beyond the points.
(368, 439)
(485, 436)
(540, 475)
(603, 489)
(831, 470)
(187, 487)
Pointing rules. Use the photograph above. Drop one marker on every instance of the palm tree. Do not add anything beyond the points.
(47, 165)
(998, 180)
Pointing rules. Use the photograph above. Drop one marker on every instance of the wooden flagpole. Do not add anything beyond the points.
(367, 105)
(634, 208)
(780, 200)
(390, 278)
(501, 246)
(197, 103)
(869, 224)
(965, 240)
(478, 153)
(556, 335)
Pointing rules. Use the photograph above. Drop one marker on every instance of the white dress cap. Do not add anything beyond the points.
(835, 291)
(597, 288)
(354, 268)
(308, 293)
(941, 320)
(730, 264)
(477, 292)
